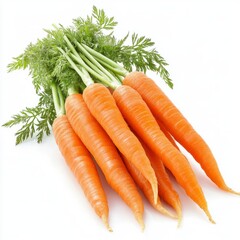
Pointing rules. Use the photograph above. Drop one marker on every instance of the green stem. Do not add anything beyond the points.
(61, 101)
(58, 100)
(95, 62)
(94, 73)
(103, 75)
(93, 69)
(73, 65)
(98, 55)
(72, 90)
(71, 47)
(91, 65)
(113, 69)
(120, 78)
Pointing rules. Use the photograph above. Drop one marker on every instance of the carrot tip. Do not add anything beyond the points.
(164, 211)
(139, 218)
(105, 221)
(179, 214)
(178, 209)
(212, 221)
(209, 216)
(232, 191)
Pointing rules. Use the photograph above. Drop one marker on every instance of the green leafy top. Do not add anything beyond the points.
(48, 65)
(35, 121)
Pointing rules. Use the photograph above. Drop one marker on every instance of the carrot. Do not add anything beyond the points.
(105, 153)
(166, 133)
(141, 120)
(162, 107)
(165, 188)
(103, 107)
(81, 164)
(145, 186)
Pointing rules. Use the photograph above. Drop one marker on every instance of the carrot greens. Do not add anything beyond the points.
(47, 61)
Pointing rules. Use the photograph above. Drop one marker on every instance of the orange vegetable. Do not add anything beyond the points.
(145, 186)
(165, 188)
(103, 107)
(141, 120)
(166, 133)
(162, 107)
(81, 164)
(105, 153)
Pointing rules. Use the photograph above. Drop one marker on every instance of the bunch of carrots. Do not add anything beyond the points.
(117, 119)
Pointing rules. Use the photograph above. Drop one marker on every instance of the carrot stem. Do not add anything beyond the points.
(72, 48)
(90, 64)
(95, 63)
(72, 90)
(104, 77)
(58, 100)
(106, 60)
(110, 67)
(87, 81)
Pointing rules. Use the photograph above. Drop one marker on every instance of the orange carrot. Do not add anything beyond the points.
(81, 164)
(165, 188)
(105, 153)
(141, 120)
(145, 186)
(103, 107)
(162, 107)
(166, 133)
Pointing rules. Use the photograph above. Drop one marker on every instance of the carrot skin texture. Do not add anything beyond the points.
(141, 120)
(81, 164)
(105, 153)
(165, 188)
(145, 186)
(103, 107)
(166, 133)
(178, 126)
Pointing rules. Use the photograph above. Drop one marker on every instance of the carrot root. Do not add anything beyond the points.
(139, 218)
(165, 212)
(232, 191)
(178, 210)
(209, 216)
(105, 221)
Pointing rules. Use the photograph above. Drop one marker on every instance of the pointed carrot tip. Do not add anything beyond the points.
(105, 221)
(139, 218)
(165, 212)
(232, 191)
(179, 214)
(209, 216)
(179, 221)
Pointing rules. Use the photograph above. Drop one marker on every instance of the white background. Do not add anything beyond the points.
(39, 197)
